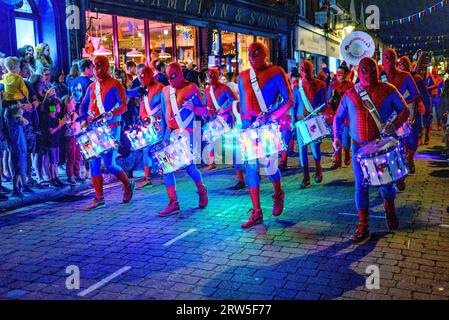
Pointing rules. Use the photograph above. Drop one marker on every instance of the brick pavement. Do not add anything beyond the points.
(304, 254)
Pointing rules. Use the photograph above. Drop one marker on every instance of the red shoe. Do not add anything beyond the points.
(337, 161)
(172, 208)
(211, 167)
(401, 184)
(255, 218)
(390, 215)
(305, 183)
(282, 166)
(128, 192)
(318, 176)
(204, 200)
(361, 234)
(278, 205)
(347, 156)
(97, 203)
(144, 184)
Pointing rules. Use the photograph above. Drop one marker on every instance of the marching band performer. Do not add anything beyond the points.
(180, 102)
(435, 85)
(220, 99)
(313, 94)
(106, 97)
(150, 108)
(424, 105)
(405, 84)
(363, 129)
(260, 86)
(337, 90)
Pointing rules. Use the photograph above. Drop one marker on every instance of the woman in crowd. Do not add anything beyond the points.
(57, 81)
(27, 54)
(43, 58)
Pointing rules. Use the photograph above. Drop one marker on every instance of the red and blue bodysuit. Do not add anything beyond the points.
(424, 105)
(435, 85)
(150, 108)
(315, 92)
(189, 103)
(112, 106)
(363, 129)
(337, 90)
(277, 95)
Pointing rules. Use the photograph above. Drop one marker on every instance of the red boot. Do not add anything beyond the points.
(426, 137)
(319, 172)
(256, 217)
(204, 200)
(128, 186)
(98, 201)
(146, 181)
(390, 214)
(337, 160)
(347, 156)
(306, 180)
(362, 233)
(283, 162)
(173, 205)
(411, 161)
(278, 203)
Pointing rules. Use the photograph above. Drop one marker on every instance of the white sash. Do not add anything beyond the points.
(97, 92)
(174, 106)
(146, 102)
(214, 100)
(304, 98)
(257, 91)
(369, 105)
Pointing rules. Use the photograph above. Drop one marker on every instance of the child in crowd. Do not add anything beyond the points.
(17, 146)
(73, 151)
(54, 126)
(15, 89)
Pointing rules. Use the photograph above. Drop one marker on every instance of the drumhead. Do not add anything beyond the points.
(377, 147)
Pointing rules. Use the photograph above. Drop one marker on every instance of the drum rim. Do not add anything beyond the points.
(397, 144)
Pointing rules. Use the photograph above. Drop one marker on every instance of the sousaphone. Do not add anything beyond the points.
(356, 46)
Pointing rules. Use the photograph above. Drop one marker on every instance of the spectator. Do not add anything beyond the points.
(3, 144)
(46, 76)
(57, 81)
(231, 83)
(78, 87)
(27, 54)
(444, 110)
(53, 139)
(15, 123)
(73, 73)
(160, 74)
(192, 74)
(131, 70)
(73, 151)
(15, 90)
(43, 58)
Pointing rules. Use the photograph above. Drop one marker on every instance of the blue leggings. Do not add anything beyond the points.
(108, 159)
(286, 136)
(192, 170)
(412, 139)
(251, 167)
(147, 160)
(346, 138)
(435, 107)
(316, 152)
(362, 188)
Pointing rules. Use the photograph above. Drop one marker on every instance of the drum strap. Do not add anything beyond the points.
(238, 119)
(174, 105)
(257, 91)
(214, 100)
(146, 102)
(369, 105)
(100, 105)
(304, 98)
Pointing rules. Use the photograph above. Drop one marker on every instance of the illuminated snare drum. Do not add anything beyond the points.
(215, 129)
(96, 141)
(382, 162)
(312, 129)
(173, 156)
(261, 142)
(144, 135)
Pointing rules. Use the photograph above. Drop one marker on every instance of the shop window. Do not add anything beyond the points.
(185, 44)
(229, 55)
(161, 41)
(267, 43)
(25, 32)
(131, 40)
(99, 35)
(243, 43)
(26, 22)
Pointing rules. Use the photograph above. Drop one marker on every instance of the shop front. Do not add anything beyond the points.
(196, 32)
(311, 46)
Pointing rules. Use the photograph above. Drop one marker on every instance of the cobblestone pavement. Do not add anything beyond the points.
(131, 253)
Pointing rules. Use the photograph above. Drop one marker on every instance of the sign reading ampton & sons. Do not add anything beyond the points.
(218, 11)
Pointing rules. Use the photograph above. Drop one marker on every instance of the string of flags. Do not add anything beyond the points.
(417, 15)
(417, 38)
(421, 43)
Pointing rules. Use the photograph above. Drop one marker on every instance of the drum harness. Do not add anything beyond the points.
(174, 104)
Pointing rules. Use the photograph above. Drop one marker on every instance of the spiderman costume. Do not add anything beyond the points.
(150, 107)
(106, 97)
(435, 86)
(176, 120)
(274, 94)
(363, 129)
